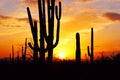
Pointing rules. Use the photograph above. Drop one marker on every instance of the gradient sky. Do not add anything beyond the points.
(77, 16)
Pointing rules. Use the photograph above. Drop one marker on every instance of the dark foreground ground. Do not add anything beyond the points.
(60, 71)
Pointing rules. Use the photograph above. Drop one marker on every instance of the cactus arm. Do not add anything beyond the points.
(88, 51)
(39, 49)
(57, 35)
(48, 7)
(33, 27)
(58, 17)
(44, 20)
(30, 19)
(45, 50)
(35, 32)
(22, 51)
(40, 9)
(30, 45)
(25, 46)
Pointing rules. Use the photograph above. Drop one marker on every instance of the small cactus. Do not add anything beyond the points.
(92, 48)
(78, 50)
(12, 54)
(24, 49)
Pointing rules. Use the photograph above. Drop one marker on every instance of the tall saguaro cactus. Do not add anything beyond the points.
(34, 30)
(78, 50)
(92, 47)
(24, 51)
(45, 35)
(51, 9)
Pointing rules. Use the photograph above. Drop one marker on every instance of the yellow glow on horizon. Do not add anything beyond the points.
(61, 55)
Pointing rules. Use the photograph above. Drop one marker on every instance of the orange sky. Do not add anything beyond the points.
(77, 16)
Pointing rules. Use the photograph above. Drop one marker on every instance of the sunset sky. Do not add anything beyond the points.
(77, 16)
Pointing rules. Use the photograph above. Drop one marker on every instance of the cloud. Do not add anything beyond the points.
(6, 21)
(84, 1)
(14, 26)
(113, 0)
(2, 17)
(30, 1)
(32, 4)
(35, 1)
(112, 16)
(82, 21)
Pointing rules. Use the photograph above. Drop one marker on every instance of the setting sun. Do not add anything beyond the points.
(61, 55)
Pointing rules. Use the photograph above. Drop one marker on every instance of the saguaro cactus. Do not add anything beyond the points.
(51, 8)
(92, 47)
(78, 50)
(35, 37)
(43, 32)
(24, 51)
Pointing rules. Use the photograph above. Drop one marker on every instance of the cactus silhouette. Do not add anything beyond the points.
(86, 59)
(51, 8)
(51, 11)
(18, 58)
(78, 50)
(92, 47)
(12, 54)
(24, 51)
(35, 37)
(43, 31)
(10, 58)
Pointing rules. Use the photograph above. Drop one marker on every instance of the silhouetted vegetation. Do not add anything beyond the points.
(24, 49)
(103, 68)
(12, 59)
(92, 48)
(44, 37)
(78, 49)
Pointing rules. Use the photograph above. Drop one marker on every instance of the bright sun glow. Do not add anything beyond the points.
(61, 55)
